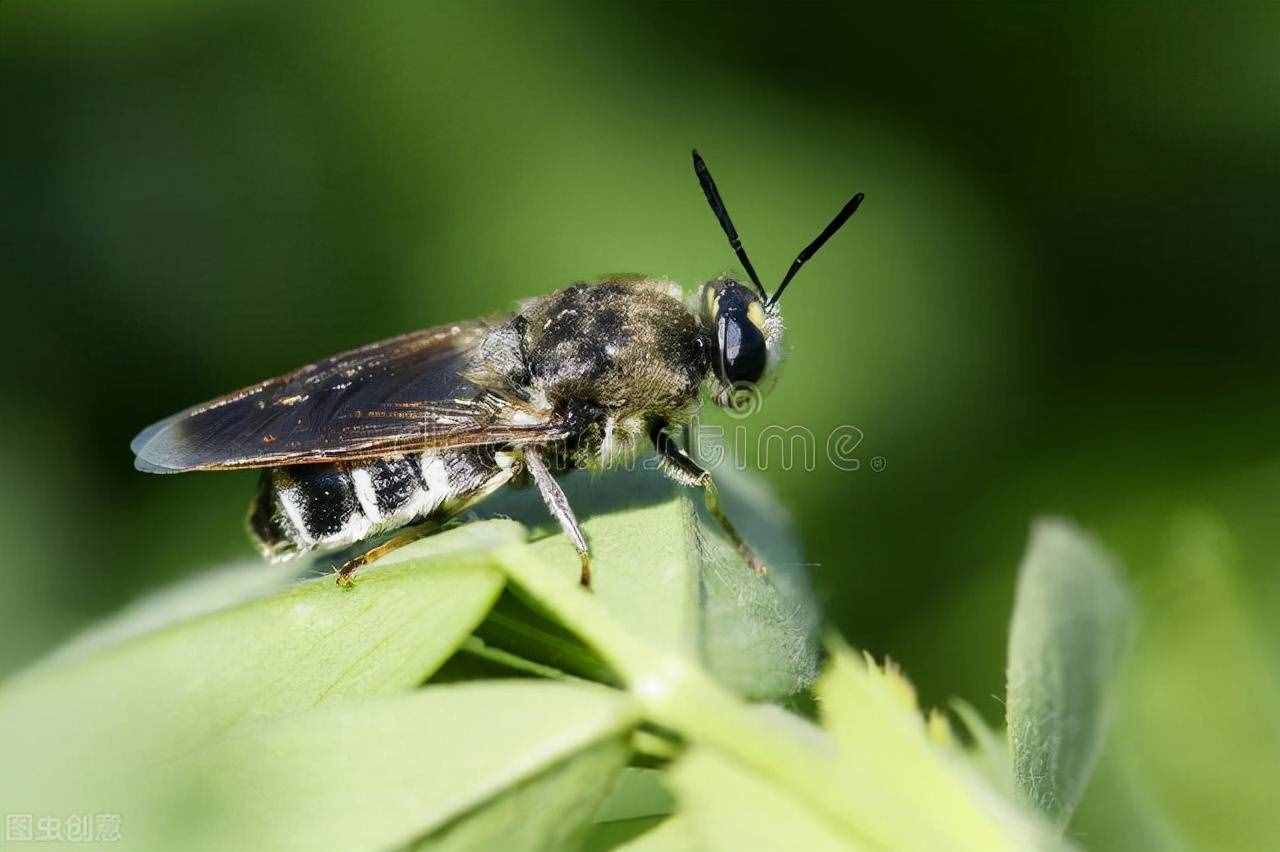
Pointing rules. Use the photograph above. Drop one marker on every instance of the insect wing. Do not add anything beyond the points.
(402, 394)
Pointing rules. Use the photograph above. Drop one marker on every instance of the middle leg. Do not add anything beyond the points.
(558, 506)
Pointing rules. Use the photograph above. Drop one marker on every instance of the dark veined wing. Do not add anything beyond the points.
(398, 395)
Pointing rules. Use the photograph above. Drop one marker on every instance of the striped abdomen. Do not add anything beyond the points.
(310, 507)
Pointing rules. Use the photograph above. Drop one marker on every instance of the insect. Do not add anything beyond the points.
(399, 436)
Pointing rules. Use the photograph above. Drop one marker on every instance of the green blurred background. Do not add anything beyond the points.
(1059, 297)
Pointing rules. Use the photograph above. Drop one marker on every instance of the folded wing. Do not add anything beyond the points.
(398, 395)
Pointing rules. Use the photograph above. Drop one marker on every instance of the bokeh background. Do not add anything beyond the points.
(1060, 296)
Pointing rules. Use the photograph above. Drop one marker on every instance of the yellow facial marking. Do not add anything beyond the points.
(755, 313)
(712, 300)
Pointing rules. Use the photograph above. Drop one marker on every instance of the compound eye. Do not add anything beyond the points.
(743, 354)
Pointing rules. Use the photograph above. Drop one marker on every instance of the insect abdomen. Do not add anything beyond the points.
(310, 507)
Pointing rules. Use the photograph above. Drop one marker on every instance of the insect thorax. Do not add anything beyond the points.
(609, 357)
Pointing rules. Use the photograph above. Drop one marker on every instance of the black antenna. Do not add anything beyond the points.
(810, 250)
(717, 207)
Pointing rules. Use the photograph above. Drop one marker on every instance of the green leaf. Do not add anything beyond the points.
(1070, 625)
(638, 793)
(1123, 811)
(639, 802)
(1198, 733)
(179, 673)
(550, 811)
(759, 639)
(166, 693)
(514, 626)
(645, 834)
(455, 767)
(732, 809)
(874, 780)
(910, 789)
(668, 578)
(199, 594)
(989, 753)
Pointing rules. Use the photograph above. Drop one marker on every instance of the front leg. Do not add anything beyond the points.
(678, 466)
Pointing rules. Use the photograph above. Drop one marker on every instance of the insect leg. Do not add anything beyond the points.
(406, 536)
(677, 465)
(558, 506)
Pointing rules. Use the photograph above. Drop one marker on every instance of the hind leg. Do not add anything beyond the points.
(408, 535)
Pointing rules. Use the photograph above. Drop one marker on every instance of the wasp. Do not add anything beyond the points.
(401, 435)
